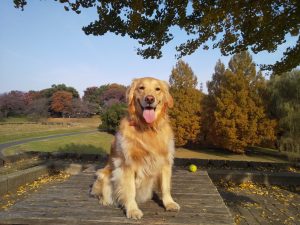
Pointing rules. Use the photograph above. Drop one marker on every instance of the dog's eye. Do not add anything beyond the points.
(142, 88)
(157, 89)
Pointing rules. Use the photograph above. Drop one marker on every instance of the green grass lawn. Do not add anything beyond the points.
(100, 143)
(97, 143)
(51, 126)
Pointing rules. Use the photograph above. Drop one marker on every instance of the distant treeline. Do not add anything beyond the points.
(60, 101)
(241, 108)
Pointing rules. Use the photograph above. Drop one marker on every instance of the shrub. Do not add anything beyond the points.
(111, 117)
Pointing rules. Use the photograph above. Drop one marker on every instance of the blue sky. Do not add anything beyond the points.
(44, 45)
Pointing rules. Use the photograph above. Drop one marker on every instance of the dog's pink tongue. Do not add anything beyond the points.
(149, 115)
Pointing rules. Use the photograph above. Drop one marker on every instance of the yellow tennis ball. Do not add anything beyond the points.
(193, 168)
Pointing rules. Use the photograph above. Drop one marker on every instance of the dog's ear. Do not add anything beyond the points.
(169, 98)
(130, 91)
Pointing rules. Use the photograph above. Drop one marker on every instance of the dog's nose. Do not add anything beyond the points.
(149, 99)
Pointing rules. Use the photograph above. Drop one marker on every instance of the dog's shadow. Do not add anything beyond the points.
(157, 200)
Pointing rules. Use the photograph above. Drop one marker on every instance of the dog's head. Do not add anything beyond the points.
(148, 99)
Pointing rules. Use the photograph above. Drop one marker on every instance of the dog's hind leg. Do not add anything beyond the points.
(102, 187)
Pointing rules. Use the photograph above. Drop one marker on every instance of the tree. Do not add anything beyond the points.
(38, 108)
(235, 114)
(209, 103)
(98, 98)
(114, 93)
(284, 105)
(233, 26)
(80, 108)
(47, 93)
(30, 96)
(12, 103)
(93, 94)
(92, 98)
(111, 117)
(61, 103)
(185, 115)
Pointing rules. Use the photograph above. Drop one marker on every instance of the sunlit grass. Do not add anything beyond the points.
(223, 155)
(99, 143)
(96, 143)
(93, 143)
(51, 126)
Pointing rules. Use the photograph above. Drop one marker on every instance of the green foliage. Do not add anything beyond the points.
(48, 93)
(284, 105)
(111, 117)
(233, 26)
(234, 116)
(185, 116)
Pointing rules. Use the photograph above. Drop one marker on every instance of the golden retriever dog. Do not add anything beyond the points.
(141, 156)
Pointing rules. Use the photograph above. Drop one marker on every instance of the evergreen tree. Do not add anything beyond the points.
(185, 116)
(235, 110)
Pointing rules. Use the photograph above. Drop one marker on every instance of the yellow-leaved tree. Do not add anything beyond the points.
(185, 115)
(235, 116)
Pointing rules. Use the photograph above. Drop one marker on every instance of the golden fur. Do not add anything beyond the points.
(141, 156)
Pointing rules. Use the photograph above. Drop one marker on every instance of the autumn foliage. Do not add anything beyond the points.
(185, 116)
(61, 102)
(235, 115)
(241, 108)
(230, 26)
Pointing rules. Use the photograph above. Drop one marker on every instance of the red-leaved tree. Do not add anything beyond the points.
(61, 103)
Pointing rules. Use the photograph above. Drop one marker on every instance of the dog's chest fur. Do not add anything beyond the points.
(145, 152)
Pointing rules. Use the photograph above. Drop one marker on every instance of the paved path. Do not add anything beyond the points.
(69, 203)
(13, 143)
(262, 205)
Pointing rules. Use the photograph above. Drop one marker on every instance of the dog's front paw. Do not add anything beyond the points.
(105, 202)
(172, 206)
(134, 214)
